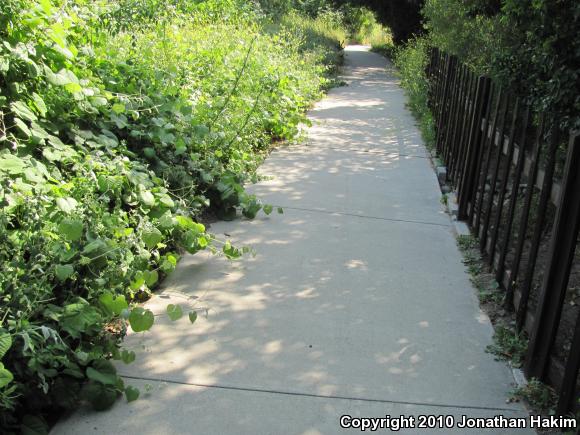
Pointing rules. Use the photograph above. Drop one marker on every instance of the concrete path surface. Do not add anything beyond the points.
(357, 302)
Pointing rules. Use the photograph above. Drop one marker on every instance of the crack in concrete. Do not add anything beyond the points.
(357, 150)
(330, 212)
(324, 396)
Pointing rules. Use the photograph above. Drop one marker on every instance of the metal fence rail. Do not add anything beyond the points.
(518, 185)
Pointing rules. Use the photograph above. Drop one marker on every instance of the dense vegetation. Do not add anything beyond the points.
(359, 22)
(121, 124)
(531, 47)
(402, 17)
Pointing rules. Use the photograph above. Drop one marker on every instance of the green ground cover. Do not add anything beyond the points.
(122, 124)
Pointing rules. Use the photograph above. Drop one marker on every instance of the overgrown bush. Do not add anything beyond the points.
(402, 17)
(363, 26)
(411, 61)
(309, 8)
(316, 35)
(117, 132)
(531, 47)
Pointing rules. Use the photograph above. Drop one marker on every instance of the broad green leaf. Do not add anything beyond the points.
(180, 146)
(80, 318)
(127, 356)
(202, 242)
(267, 209)
(38, 132)
(151, 277)
(39, 104)
(102, 377)
(149, 152)
(22, 127)
(141, 319)
(114, 305)
(280, 210)
(5, 376)
(118, 108)
(46, 6)
(151, 237)
(71, 229)
(63, 77)
(188, 223)
(100, 396)
(192, 316)
(32, 174)
(166, 200)
(138, 282)
(174, 312)
(63, 271)
(230, 251)
(22, 110)
(251, 210)
(66, 204)
(95, 247)
(185, 221)
(5, 342)
(131, 393)
(168, 263)
(98, 101)
(73, 88)
(147, 198)
(11, 164)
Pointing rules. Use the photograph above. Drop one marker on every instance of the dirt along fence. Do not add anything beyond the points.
(517, 178)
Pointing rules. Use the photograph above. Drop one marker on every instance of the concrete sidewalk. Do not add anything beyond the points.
(357, 301)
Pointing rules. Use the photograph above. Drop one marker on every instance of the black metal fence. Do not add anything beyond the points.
(518, 186)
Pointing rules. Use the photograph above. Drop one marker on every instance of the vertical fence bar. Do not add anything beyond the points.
(450, 123)
(469, 175)
(541, 217)
(461, 145)
(566, 396)
(488, 142)
(523, 224)
(442, 124)
(562, 248)
(512, 206)
(466, 128)
(489, 205)
(455, 128)
(462, 108)
(504, 181)
(449, 153)
(483, 125)
(443, 63)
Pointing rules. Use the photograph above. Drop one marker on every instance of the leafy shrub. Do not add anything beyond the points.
(322, 36)
(531, 47)
(310, 8)
(402, 17)
(387, 49)
(411, 60)
(116, 134)
(363, 26)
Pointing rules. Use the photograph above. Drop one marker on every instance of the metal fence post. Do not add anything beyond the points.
(561, 254)
(468, 175)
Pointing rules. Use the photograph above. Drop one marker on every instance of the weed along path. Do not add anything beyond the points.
(357, 302)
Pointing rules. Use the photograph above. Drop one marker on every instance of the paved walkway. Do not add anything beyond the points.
(357, 301)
